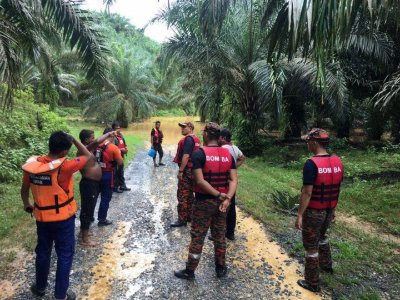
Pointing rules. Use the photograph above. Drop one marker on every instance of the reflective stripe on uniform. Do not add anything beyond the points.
(315, 254)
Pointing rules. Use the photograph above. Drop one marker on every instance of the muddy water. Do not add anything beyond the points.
(169, 126)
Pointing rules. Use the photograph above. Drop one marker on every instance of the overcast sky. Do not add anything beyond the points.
(139, 12)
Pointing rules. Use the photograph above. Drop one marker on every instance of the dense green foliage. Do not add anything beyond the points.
(132, 90)
(34, 34)
(24, 131)
(253, 74)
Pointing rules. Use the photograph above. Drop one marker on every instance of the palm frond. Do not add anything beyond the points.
(77, 32)
(376, 45)
(389, 93)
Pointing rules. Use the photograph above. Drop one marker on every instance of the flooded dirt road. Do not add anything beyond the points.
(139, 252)
(137, 255)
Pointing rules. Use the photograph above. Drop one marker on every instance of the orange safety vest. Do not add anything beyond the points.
(104, 159)
(52, 202)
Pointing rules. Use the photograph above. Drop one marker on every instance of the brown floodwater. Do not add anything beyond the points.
(169, 126)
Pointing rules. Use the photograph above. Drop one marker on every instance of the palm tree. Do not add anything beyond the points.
(230, 67)
(28, 28)
(130, 94)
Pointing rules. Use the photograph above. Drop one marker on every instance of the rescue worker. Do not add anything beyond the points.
(186, 146)
(225, 140)
(119, 182)
(156, 138)
(50, 180)
(322, 177)
(108, 155)
(214, 172)
(89, 186)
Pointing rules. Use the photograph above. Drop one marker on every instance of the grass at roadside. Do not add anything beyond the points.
(366, 266)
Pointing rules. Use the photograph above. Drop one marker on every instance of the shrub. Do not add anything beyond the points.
(24, 132)
(285, 202)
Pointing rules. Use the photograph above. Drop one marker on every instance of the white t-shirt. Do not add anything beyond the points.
(234, 150)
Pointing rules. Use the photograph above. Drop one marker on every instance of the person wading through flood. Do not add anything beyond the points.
(107, 155)
(156, 138)
(214, 172)
(119, 176)
(322, 177)
(89, 186)
(50, 180)
(186, 146)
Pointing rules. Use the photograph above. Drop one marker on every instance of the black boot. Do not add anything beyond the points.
(220, 270)
(71, 295)
(36, 292)
(185, 274)
(230, 236)
(105, 222)
(117, 190)
(304, 284)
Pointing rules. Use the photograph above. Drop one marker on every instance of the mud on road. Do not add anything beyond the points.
(139, 252)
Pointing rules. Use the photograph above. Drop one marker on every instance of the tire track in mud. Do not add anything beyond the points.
(139, 252)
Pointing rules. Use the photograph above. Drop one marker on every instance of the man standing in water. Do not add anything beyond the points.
(186, 146)
(214, 172)
(156, 138)
(89, 186)
(322, 177)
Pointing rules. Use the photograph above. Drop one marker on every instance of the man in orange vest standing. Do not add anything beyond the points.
(214, 172)
(50, 180)
(322, 177)
(89, 186)
(186, 146)
(156, 138)
(119, 176)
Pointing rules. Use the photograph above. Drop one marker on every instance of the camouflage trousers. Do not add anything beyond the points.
(206, 214)
(315, 242)
(185, 196)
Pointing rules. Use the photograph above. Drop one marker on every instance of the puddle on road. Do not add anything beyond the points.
(169, 126)
(117, 263)
(260, 251)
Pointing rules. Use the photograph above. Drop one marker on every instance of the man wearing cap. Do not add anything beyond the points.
(156, 137)
(186, 146)
(214, 172)
(322, 177)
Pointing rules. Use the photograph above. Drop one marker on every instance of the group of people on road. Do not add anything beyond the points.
(207, 182)
(210, 172)
(50, 179)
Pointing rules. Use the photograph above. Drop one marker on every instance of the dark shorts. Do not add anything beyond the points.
(89, 190)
